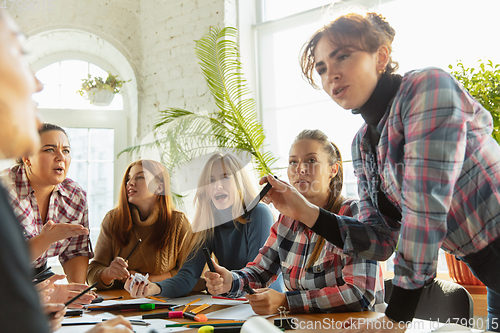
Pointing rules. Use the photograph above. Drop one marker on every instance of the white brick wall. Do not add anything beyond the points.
(155, 36)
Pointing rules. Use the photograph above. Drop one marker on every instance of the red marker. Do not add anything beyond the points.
(164, 315)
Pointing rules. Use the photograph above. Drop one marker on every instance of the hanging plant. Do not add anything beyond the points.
(99, 91)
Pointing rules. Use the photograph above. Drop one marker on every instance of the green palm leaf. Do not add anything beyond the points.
(182, 135)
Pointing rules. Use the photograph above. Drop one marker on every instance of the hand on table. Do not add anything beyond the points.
(266, 301)
(289, 202)
(109, 326)
(58, 231)
(57, 318)
(219, 282)
(379, 325)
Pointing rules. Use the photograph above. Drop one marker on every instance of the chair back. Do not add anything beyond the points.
(442, 301)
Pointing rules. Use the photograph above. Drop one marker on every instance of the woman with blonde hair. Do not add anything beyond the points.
(144, 233)
(318, 276)
(224, 190)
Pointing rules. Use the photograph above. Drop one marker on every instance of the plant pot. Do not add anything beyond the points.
(460, 272)
(100, 97)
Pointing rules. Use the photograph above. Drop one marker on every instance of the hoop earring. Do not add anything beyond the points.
(28, 170)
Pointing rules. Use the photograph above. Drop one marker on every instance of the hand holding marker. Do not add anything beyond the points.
(75, 298)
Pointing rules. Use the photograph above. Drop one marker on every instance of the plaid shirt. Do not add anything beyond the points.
(333, 283)
(67, 204)
(439, 165)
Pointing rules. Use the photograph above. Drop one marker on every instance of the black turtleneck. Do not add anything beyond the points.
(372, 112)
(403, 302)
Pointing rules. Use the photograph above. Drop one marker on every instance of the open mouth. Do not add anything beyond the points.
(59, 170)
(220, 197)
(130, 192)
(339, 90)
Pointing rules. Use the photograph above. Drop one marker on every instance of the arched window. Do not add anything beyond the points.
(62, 79)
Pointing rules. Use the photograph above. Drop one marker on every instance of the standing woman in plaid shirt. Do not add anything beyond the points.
(428, 169)
(52, 209)
(319, 277)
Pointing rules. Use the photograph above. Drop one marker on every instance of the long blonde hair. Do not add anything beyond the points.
(335, 199)
(205, 209)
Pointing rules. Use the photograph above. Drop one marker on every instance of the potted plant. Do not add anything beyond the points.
(483, 83)
(99, 91)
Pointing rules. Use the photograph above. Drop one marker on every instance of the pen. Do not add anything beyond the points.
(41, 273)
(157, 299)
(133, 249)
(230, 299)
(135, 322)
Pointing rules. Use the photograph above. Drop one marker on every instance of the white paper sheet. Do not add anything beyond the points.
(237, 312)
(156, 324)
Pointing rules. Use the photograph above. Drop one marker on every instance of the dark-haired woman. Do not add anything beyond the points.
(318, 276)
(428, 170)
(52, 208)
(145, 211)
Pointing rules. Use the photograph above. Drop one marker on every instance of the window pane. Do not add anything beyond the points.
(102, 145)
(70, 99)
(78, 172)
(50, 74)
(97, 71)
(275, 9)
(49, 97)
(101, 195)
(73, 71)
(78, 139)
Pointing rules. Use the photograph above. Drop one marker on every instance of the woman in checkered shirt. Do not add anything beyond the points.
(318, 276)
(51, 208)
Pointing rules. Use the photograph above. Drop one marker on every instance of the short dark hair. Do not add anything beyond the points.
(46, 127)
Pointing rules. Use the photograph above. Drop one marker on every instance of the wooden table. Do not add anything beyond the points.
(324, 322)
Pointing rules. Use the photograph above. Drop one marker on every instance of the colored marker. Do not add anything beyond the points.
(208, 258)
(124, 307)
(163, 315)
(215, 325)
(212, 329)
(196, 317)
(248, 289)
